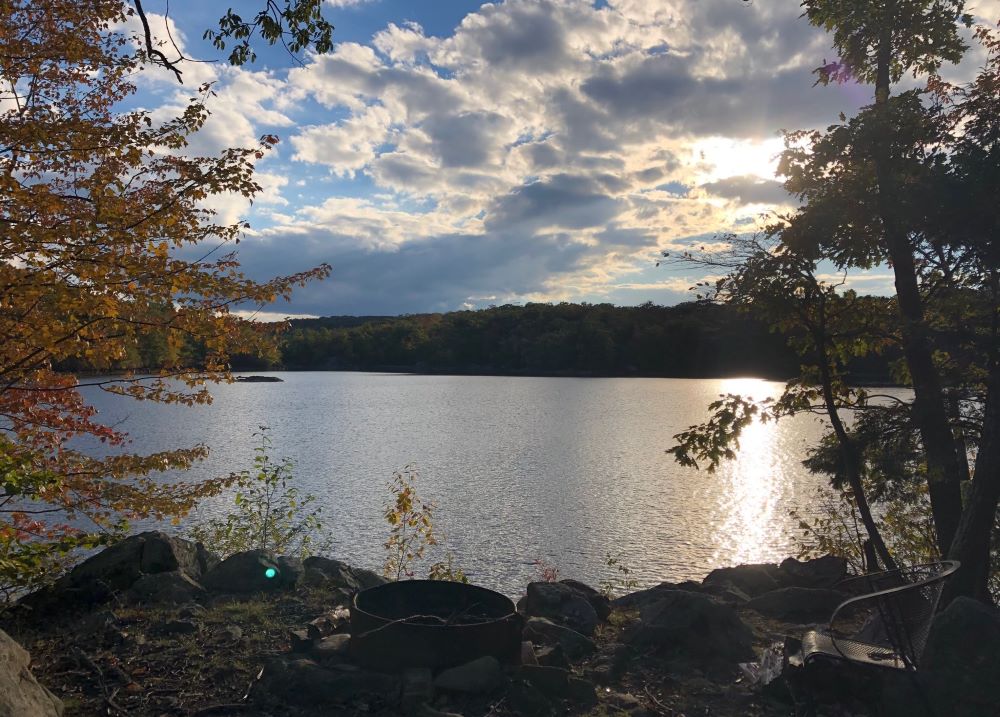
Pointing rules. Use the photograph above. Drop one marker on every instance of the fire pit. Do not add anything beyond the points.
(432, 623)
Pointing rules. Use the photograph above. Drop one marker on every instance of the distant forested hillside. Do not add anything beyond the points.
(689, 340)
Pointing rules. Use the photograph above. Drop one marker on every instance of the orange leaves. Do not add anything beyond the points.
(96, 207)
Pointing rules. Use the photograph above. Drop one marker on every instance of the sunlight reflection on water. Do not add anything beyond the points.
(753, 485)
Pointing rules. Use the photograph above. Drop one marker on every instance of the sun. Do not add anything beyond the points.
(716, 158)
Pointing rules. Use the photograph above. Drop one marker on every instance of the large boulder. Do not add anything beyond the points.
(337, 574)
(20, 693)
(545, 632)
(753, 580)
(800, 605)
(173, 587)
(121, 564)
(959, 668)
(597, 600)
(694, 629)
(253, 571)
(822, 572)
(563, 604)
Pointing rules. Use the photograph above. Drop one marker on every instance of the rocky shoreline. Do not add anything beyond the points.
(156, 625)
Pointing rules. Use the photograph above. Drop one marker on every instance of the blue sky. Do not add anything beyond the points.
(457, 154)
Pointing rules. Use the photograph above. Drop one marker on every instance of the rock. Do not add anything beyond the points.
(250, 572)
(192, 610)
(418, 686)
(729, 594)
(230, 633)
(290, 571)
(332, 648)
(801, 605)
(959, 666)
(528, 654)
(171, 587)
(560, 684)
(753, 580)
(635, 599)
(694, 629)
(482, 675)
(562, 604)
(334, 573)
(598, 601)
(300, 682)
(20, 693)
(823, 572)
(178, 627)
(552, 656)
(545, 632)
(300, 640)
(528, 700)
(121, 564)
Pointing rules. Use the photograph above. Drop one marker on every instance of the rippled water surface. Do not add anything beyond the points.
(562, 470)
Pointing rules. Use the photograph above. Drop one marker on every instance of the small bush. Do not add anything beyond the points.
(268, 512)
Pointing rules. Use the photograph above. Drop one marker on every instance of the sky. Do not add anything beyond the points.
(451, 154)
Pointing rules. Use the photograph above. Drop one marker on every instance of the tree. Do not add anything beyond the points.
(105, 241)
(826, 327)
(879, 43)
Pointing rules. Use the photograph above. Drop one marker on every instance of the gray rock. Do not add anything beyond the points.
(560, 684)
(178, 627)
(230, 633)
(172, 587)
(250, 572)
(551, 656)
(334, 573)
(802, 605)
(302, 683)
(635, 599)
(823, 572)
(753, 580)
(300, 640)
(192, 610)
(694, 629)
(598, 601)
(528, 653)
(20, 693)
(545, 632)
(333, 648)
(563, 604)
(120, 565)
(526, 699)
(477, 677)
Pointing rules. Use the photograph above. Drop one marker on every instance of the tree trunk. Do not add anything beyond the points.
(849, 452)
(944, 474)
(972, 540)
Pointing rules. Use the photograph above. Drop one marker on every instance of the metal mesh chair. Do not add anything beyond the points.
(887, 623)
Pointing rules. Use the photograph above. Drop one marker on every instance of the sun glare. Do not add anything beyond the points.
(720, 157)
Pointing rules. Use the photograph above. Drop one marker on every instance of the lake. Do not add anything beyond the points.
(558, 470)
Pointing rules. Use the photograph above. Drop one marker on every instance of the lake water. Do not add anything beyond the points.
(561, 470)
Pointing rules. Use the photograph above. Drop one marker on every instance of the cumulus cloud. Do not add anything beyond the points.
(540, 149)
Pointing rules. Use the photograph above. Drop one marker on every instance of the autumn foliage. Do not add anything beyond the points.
(107, 240)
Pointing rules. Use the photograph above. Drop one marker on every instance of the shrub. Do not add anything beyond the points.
(268, 512)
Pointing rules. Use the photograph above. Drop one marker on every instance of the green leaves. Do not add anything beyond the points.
(717, 439)
(296, 24)
(269, 513)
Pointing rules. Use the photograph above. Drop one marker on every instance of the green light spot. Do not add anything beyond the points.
(270, 573)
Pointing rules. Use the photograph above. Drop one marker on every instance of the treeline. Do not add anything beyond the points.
(688, 340)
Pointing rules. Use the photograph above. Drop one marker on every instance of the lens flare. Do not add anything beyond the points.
(270, 573)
